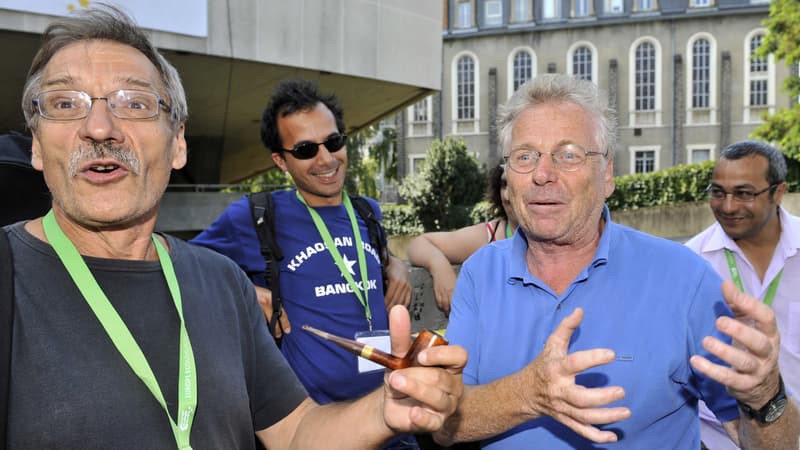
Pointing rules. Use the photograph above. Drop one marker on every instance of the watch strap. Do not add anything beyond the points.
(771, 411)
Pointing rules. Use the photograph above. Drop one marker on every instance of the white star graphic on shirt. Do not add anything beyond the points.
(349, 265)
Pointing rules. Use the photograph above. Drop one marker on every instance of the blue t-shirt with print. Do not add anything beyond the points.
(314, 290)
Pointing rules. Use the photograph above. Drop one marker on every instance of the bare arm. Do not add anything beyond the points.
(416, 399)
(545, 387)
(753, 376)
(438, 251)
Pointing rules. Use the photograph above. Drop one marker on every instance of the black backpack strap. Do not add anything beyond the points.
(262, 209)
(377, 234)
(6, 329)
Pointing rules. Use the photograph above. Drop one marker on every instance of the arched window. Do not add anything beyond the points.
(645, 82)
(465, 93)
(466, 88)
(701, 89)
(645, 77)
(759, 75)
(701, 73)
(521, 67)
(582, 63)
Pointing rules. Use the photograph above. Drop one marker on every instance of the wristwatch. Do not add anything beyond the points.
(770, 412)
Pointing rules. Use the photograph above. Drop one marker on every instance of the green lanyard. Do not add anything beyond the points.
(773, 286)
(121, 336)
(508, 229)
(337, 257)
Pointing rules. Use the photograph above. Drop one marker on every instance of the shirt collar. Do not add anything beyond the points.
(519, 248)
(788, 244)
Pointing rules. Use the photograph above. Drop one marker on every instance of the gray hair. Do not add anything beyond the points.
(101, 22)
(776, 172)
(558, 88)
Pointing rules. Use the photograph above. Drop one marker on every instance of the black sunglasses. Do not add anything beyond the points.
(308, 150)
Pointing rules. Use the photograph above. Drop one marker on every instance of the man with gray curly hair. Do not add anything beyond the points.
(124, 338)
(582, 331)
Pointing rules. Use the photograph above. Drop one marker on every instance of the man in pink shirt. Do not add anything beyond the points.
(754, 243)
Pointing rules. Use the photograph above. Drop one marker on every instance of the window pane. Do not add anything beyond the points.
(645, 161)
(466, 88)
(700, 155)
(582, 63)
(493, 12)
(757, 64)
(465, 15)
(758, 92)
(645, 87)
(701, 69)
(581, 8)
(523, 68)
(421, 111)
(614, 6)
(550, 9)
(522, 10)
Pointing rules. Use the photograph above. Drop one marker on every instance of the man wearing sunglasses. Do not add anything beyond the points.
(116, 337)
(304, 130)
(755, 243)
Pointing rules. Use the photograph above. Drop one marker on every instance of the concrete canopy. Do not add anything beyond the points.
(377, 57)
(226, 98)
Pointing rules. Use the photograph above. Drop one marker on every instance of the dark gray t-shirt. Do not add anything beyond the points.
(71, 388)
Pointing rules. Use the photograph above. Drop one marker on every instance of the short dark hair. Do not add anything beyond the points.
(289, 97)
(776, 172)
(493, 190)
(106, 23)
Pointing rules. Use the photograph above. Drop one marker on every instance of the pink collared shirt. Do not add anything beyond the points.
(711, 244)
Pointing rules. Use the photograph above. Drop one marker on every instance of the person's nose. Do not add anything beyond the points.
(325, 156)
(728, 203)
(100, 125)
(545, 170)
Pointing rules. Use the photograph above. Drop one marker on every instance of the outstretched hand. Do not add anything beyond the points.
(420, 398)
(753, 375)
(549, 383)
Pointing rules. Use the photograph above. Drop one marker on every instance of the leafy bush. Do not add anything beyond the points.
(481, 212)
(401, 220)
(444, 191)
(678, 184)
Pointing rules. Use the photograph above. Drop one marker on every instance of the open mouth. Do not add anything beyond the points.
(104, 168)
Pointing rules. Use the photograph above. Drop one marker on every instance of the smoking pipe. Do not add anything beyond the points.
(425, 339)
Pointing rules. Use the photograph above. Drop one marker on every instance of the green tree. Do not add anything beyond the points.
(449, 184)
(783, 41)
(361, 177)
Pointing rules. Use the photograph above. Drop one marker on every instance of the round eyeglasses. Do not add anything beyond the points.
(569, 158)
(123, 104)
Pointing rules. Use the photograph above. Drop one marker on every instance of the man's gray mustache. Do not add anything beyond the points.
(123, 155)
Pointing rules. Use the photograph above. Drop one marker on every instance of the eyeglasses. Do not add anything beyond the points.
(308, 150)
(745, 196)
(123, 104)
(569, 158)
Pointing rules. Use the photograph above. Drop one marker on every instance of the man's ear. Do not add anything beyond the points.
(280, 161)
(36, 153)
(779, 191)
(179, 152)
(609, 178)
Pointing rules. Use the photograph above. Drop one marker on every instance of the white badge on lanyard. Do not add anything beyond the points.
(378, 339)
